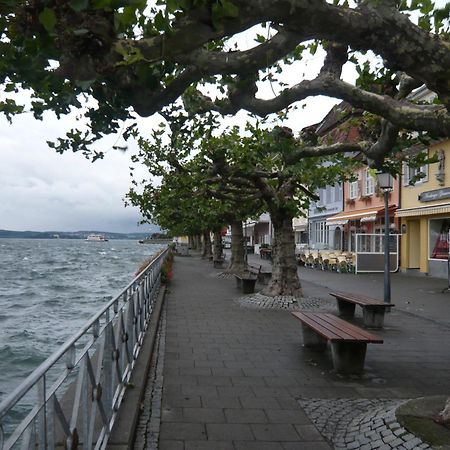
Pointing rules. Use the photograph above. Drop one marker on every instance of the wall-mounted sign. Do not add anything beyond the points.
(437, 194)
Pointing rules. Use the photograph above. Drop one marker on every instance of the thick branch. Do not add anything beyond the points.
(404, 114)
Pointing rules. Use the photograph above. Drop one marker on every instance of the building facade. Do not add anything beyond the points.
(323, 235)
(425, 214)
(363, 211)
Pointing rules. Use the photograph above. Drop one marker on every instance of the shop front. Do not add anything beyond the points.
(365, 221)
(425, 239)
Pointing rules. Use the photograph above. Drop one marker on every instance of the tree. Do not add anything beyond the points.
(187, 202)
(271, 167)
(135, 57)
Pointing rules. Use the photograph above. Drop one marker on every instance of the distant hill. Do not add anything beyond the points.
(72, 234)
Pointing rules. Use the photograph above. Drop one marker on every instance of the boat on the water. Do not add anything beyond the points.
(97, 238)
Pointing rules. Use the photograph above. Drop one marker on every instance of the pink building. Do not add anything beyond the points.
(363, 210)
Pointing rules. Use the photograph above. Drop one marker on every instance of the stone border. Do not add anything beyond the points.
(361, 424)
(283, 302)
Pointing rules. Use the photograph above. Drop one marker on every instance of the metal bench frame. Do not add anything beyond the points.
(348, 342)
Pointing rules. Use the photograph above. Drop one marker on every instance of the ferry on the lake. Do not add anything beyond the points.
(97, 238)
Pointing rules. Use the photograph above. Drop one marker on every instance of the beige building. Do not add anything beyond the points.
(425, 214)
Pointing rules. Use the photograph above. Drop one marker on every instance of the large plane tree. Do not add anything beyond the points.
(122, 58)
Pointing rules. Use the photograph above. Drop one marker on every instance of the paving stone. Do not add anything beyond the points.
(275, 432)
(245, 416)
(208, 445)
(239, 445)
(227, 431)
(203, 415)
(171, 445)
(183, 431)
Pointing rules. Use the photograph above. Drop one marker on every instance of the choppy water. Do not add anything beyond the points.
(49, 289)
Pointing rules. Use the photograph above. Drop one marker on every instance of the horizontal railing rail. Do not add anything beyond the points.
(71, 400)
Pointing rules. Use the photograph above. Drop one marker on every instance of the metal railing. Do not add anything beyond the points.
(76, 392)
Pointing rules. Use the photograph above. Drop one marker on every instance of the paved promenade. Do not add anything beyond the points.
(235, 376)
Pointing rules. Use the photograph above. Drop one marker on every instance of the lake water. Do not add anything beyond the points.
(49, 289)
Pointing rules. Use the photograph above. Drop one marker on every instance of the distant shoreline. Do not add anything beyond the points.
(80, 235)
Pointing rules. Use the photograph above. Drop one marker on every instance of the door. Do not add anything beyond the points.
(414, 244)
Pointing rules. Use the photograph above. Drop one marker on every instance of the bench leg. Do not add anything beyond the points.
(248, 286)
(348, 357)
(373, 316)
(238, 282)
(313, 340)
(346, 309)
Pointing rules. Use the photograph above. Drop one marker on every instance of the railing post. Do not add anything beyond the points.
(41, 418)
(108, 377)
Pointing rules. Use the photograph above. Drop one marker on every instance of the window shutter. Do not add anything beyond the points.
(405, 173)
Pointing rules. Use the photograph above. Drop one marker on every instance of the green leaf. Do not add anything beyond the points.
(229, 9)
(100, 4)
(79, 5)
(160, 22)
(48, 19)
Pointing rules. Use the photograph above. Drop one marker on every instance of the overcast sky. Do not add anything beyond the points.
(42, 190)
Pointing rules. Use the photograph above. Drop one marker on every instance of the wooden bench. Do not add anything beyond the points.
(246, 281)
(263, 276)
(373, 309)
(348, 342)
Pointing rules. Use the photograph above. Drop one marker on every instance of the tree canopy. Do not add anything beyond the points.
(119, 58)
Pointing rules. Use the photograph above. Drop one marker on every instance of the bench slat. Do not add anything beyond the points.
(335, 329)
(359, 299)
(351, 329)
(342, 329)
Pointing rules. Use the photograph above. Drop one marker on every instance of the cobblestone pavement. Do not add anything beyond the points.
(362, 424)
(280, 302)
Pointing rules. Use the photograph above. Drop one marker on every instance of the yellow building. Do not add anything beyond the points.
(425, 214)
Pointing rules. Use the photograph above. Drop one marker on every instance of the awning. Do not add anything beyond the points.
(336, 222)
(364, 215)
(424, 210)
(369, 218)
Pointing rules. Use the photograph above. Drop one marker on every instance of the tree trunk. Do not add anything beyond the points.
(218, 247)
(285, 279)
(196, 242)
(206, 245)
(191, 242)
(237, 260)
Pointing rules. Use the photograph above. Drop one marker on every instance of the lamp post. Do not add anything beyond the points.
(386, 183)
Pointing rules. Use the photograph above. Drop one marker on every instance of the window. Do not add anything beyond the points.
(369, 184)
(439, 230)
(353, 189)
(410, 172)
(337, 193)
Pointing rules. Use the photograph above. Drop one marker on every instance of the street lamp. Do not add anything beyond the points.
(386, 184)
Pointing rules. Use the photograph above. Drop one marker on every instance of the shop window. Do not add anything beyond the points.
(439, 238)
